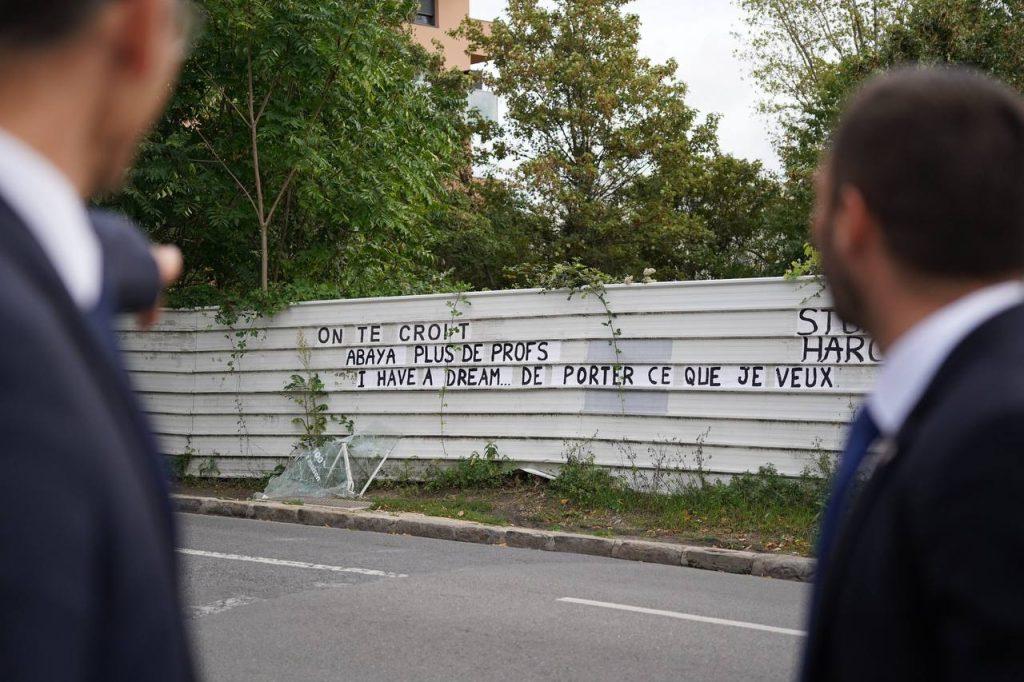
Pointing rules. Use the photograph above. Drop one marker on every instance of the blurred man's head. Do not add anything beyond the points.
(922, 191)
(96, 72)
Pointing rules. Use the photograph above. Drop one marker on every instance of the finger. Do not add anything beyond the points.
(147, 318)
(169, 263)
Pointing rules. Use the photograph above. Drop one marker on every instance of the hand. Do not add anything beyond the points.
(169, 264)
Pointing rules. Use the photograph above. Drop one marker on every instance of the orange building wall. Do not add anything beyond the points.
(450, 14)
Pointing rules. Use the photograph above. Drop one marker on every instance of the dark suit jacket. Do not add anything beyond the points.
(88, 583)
(129, 268)
(927, 580)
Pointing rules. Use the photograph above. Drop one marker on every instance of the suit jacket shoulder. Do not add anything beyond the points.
(977, 400)
(925, 584)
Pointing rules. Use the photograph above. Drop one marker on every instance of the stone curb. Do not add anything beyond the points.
(782, 566)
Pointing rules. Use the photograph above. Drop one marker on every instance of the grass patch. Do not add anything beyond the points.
(454, 507)
(761, 511)
(765, 504)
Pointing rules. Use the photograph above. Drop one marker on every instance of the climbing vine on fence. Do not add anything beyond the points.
(454, 313)
(580, 280)
(241, 330)
(307, 390)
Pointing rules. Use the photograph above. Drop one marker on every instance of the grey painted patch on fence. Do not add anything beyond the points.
(641, 351)
(635, 352)
(608, 401)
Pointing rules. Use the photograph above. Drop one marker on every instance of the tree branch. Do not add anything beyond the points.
(280, 195)
(826, 26)
(795, 40)
(223, 94)
(219, 160)
(266, 98)
(254, 143)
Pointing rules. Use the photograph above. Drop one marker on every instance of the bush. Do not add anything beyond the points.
(489, 470)
(821, 474)
(586, 484)
(757, 495)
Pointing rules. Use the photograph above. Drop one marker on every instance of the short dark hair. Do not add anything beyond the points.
(938, 155)
(37, 23)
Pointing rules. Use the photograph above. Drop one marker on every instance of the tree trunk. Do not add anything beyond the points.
(265, 258)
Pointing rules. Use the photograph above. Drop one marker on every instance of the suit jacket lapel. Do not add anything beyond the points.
(16, 239)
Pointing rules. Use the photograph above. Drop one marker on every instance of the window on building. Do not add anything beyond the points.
(427, 13)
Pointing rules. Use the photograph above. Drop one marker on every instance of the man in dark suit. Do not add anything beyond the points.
(920, 226)
(88, 582)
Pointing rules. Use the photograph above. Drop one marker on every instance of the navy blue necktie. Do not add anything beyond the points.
(863, 432)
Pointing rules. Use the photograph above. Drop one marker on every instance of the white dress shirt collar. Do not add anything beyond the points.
(915, 358)
(56, 215)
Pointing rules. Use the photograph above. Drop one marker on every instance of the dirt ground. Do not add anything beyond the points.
(226, 488)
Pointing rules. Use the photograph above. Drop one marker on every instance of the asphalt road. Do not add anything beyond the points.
(272, 601)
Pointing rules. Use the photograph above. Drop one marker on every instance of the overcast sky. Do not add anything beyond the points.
(698, 35)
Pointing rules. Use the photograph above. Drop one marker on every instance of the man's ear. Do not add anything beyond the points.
(131, 27)
(855, 230)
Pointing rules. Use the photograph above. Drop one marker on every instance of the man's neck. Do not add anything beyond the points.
(901, 312)
(38, 112)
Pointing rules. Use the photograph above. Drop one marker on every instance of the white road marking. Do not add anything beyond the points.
(685, 616)
(222, 605)
(292, 564)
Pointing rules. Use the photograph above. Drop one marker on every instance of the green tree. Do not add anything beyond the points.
(750, 229)
(792, 45)
(985, 34)
(591, 125)
(487, 230)
(808, 59)
(808, 56)
(306, 146)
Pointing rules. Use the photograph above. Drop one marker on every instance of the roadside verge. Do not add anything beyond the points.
(781, 566)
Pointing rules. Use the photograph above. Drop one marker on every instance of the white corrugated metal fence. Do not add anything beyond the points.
(736, 373)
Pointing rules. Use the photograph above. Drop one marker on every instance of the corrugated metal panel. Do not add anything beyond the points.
(739, 373)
